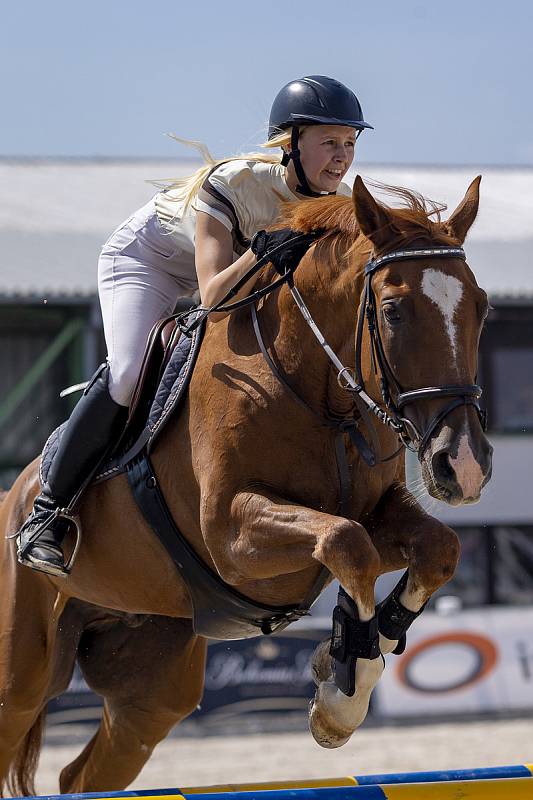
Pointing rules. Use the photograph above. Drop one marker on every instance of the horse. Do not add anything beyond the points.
(252, 479)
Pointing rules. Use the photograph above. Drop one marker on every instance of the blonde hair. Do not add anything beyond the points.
(188, 187)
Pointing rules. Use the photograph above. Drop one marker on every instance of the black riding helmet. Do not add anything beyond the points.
(313, 100)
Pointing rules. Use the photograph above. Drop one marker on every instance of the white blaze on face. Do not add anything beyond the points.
(446, 292)
(467, 470)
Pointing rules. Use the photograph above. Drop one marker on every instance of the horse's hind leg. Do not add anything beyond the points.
(28, 619)
(29, 610)
(151, 678)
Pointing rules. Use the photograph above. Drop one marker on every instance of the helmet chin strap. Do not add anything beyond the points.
(294, 155)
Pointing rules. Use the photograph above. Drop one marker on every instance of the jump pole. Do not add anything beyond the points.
(494, 783)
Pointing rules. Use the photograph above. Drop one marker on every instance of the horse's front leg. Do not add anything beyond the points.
(276, 537)
(405, 535)
(347, 669)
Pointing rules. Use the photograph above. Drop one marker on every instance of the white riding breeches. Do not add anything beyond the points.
(141, 274)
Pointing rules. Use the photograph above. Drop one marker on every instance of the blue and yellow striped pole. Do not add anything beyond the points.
(490, 789)
(484, 773)
(500, 783)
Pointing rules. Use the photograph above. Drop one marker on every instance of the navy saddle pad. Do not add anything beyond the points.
(168, 398)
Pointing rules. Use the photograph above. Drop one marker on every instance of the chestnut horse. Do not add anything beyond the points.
(251, 478)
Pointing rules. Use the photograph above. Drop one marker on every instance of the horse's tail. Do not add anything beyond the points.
(20, 780)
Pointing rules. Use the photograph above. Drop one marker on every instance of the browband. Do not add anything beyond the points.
(398, 255)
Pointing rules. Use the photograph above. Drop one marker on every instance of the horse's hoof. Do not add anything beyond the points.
(321, 663)
(322, 727)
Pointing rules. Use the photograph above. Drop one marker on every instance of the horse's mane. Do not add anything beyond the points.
(417, 218)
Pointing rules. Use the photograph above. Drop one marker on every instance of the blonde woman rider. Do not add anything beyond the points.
(194, 234)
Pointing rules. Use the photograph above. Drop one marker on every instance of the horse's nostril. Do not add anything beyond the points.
(442, 467)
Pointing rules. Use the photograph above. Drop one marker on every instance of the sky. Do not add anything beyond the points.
(443, 83)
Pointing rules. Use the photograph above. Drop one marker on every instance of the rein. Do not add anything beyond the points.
(352, 380)
(251, 298)
(391, 416)
(347, 425)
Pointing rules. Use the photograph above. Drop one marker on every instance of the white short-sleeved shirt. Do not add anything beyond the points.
(243, 195)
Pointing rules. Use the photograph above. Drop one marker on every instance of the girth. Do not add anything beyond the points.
(219, 610)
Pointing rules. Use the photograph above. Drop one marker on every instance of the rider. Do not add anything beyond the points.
(194, 234)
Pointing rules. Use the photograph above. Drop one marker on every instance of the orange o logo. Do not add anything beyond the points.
(484, 650)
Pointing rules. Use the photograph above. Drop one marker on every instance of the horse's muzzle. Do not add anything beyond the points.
(456, 471)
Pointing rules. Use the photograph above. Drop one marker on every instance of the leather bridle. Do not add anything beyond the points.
(394, 397)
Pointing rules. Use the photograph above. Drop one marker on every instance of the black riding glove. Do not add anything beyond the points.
(288, 257)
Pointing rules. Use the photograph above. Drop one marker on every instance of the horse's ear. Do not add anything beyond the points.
(458, 224)
(374, 219)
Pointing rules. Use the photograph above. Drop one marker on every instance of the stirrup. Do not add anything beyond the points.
(43, 566)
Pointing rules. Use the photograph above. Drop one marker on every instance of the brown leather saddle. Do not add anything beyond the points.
(161, 342)
(160, 345)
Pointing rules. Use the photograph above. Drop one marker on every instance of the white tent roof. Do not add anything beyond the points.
(55, 215)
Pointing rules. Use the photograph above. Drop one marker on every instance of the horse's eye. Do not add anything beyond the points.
(391, 311)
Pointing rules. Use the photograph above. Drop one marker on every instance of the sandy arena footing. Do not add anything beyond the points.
(204, 760)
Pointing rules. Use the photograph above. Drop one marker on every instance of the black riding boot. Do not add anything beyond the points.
(93, 428)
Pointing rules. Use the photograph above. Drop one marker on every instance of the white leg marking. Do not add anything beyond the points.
(333, 716)
(386, 645)
(467, 470)
(413, 602)
(446, 292)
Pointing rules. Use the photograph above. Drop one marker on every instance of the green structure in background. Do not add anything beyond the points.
(38, 370)
(42, 351)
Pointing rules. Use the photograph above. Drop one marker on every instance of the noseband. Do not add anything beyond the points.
(393, 396)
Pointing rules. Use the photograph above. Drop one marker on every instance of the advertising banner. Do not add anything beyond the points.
(254, 676)
(468, 662)
(463, 663)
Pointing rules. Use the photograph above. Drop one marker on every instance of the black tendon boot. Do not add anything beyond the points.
(394, 619)
(350, 639)
(93, 428)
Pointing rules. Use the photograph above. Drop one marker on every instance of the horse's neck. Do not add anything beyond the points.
(333, 302)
